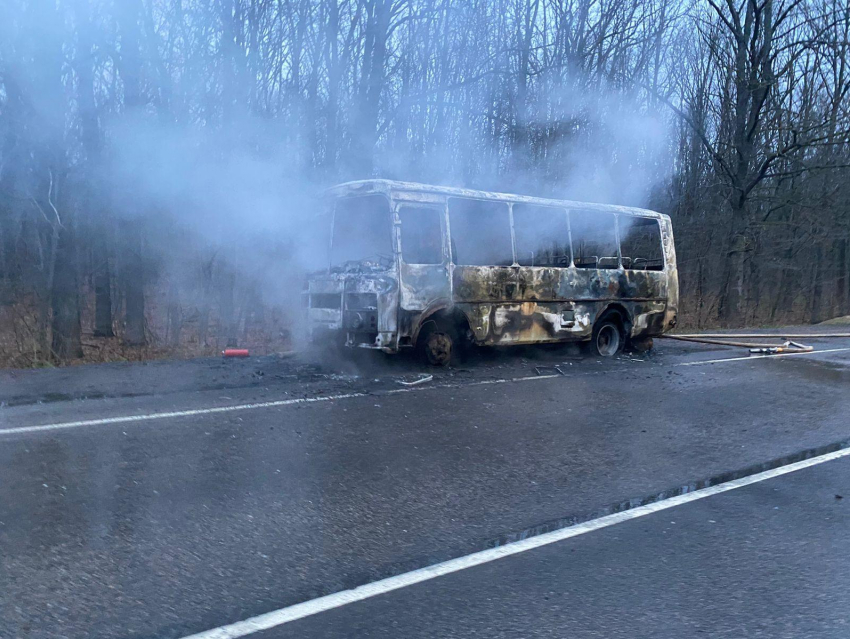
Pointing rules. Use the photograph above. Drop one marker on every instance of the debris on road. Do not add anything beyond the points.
(420, 379)
(787, 347)
(538, 369)
(235, 352)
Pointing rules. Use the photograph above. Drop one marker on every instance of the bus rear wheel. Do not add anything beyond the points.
(607, 339)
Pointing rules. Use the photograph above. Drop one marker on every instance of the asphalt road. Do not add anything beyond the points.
(166, 526)
(768, 560)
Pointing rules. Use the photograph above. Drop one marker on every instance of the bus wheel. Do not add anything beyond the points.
(607, 339)
(438, 347)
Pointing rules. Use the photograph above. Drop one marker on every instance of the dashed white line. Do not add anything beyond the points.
(19, 430)
(374, 589)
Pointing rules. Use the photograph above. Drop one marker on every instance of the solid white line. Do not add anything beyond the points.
(239, 407)
(177, 413)
(345, 597)
(750, 357)
(328, 398)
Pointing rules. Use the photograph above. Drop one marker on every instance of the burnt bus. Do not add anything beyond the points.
(413, 265)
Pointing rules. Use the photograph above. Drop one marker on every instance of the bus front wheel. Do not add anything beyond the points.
(438, 342)
(438, 347)
(607, 339)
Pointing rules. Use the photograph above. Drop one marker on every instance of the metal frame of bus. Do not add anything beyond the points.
(490, 305)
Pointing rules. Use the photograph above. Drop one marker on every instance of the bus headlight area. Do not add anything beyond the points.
(347, 309)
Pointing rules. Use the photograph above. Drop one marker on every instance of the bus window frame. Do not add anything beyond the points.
(394, 242)
(616, 217)
(441, 210)
(450, 233)
(658, 222)
(563, 211)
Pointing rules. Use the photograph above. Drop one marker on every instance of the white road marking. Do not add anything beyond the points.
(374, 589)
(177, 413)
(328, 398)
(240, 407)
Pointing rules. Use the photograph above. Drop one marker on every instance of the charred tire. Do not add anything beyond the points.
(608, 339)
(438, 343)
(438, 347)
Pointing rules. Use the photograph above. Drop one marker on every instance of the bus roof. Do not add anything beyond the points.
(387, 187)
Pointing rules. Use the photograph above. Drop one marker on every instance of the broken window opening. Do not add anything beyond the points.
(362, 231)
(421, 235)
(542, 236)
(481, 233)
(594, 240)
(640, 243)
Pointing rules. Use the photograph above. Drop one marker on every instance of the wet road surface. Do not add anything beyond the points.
(163, 527)
(763, 561)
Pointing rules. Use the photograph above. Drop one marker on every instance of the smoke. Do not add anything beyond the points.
(241, 195)
(576, 139)
(621, 153)
(225, 188)
(592, 142)
(219, 157)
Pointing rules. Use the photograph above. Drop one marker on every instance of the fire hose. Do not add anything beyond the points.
(730, 339)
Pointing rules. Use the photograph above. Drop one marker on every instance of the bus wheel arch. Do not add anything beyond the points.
(611, 331)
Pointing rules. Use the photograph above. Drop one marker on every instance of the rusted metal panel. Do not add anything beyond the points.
(509, 305)
(422, 285)
(527, 322)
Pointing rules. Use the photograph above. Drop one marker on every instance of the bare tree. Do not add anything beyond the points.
(115, 116)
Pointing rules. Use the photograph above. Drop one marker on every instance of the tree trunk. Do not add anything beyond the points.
(102, 290)
(754, 286)
(175, 318)
(841, 307)
(817, 286)
(65, 301)
(227, 334)
(134, 289)
(371, 86)
(95, 187)
(733, 293)
(130, 69)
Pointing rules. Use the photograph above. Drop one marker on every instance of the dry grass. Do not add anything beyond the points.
(263, 332)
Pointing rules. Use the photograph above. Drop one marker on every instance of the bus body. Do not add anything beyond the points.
(409, 260)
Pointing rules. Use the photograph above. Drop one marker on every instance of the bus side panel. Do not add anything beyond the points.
(527, 322)
(423, 288)
(523, 305)
(644, 295)
(520, 305)
(647, 317)
(568, 314)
